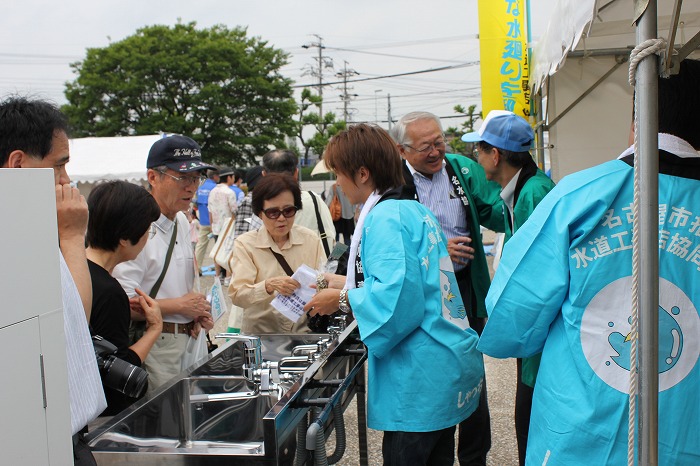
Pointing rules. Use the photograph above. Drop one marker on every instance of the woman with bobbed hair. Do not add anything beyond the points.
(425, 375)
(258, 273)
(119, 225)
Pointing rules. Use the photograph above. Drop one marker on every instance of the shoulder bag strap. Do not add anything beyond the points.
(168, 255)
(222, 236)
(321, 230)
(283, 262)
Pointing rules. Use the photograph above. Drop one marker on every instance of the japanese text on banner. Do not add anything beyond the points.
(503, 38)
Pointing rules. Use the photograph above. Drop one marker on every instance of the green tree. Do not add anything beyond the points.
(454, 134)
(215, 85)
(324, 127)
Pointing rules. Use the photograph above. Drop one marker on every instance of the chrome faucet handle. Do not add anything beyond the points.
(341, 322)
(253, 351)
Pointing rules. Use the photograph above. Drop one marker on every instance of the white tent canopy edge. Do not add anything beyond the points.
(596, 36)
(97, 159)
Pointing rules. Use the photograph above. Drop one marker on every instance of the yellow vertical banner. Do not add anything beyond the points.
(505, 73)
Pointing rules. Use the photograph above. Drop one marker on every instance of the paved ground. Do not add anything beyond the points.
(500, 377)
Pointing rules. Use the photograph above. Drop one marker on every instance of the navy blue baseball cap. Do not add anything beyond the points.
(178, 153)
(504, 130)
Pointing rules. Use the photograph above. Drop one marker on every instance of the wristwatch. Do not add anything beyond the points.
(343, 303)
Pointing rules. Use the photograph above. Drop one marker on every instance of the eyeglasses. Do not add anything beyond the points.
(152, 231)
(273, 212)
(475, 152)
(185, 180)
(437, 145)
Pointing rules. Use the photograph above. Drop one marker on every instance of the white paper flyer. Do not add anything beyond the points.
(292, 306)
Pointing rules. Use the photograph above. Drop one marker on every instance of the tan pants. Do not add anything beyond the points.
(202, 245)
(164, 360)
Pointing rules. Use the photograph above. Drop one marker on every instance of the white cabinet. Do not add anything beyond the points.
(35, 414)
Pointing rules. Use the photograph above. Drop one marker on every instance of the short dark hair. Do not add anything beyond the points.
(272, 185)
(119, 210)
(29, 126)
(237, 175)
(514, 159)
(679, 100)
(367, 146)
(280, 161)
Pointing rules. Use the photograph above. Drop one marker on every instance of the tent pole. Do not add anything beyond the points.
(648, 294)
(539, 130)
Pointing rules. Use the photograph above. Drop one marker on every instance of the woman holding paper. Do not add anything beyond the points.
(425, 374)
(264, 259)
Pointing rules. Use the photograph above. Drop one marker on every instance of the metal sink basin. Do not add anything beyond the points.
(199, 413)
(212, 414)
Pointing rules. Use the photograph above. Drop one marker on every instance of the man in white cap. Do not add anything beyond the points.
(165, 266)
(502, 148)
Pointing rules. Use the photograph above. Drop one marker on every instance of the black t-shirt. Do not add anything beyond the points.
(110, 318)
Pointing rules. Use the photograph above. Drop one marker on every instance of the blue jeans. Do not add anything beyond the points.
(435, 448)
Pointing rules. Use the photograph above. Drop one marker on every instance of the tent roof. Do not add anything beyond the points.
(110, 158)
(589, 25)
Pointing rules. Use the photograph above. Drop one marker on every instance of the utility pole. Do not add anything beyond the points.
(376, 115)
(345, 97)
(388, 109)
(321, 62)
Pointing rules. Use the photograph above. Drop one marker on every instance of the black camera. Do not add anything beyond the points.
(117, 373)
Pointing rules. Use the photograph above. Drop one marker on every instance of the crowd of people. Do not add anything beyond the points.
(417, 279)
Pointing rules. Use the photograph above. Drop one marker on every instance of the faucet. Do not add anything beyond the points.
(253, 352)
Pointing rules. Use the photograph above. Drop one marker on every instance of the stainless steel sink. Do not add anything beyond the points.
(212, 414)
(219, 413)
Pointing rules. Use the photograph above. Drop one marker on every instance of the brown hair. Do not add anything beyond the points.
(272, 185)
(366, 146)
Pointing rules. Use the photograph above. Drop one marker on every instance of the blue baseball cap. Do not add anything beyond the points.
(504, 130)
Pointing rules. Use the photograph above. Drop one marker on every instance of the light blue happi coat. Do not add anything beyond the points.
(564, 287)
(424, 372)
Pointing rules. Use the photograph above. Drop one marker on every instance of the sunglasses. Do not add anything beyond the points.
(274, 213)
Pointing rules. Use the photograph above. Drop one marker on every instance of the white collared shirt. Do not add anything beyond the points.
(508, 196)
(143, 272)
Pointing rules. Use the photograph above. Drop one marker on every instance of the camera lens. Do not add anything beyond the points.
(125, 377)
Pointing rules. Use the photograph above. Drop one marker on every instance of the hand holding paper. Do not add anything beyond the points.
(292, 306)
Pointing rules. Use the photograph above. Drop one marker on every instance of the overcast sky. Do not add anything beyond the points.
(39, 38)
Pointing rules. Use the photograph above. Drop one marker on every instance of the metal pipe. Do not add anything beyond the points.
(362, 419)
(539, 132)
(648, 283)
(675, 16)
(619, 51)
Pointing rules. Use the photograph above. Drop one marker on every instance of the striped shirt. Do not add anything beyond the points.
(438, 195)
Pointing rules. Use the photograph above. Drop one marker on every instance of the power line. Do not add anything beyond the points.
(405, 43)
(42, 56)
(410, 73)
(393, 55)
(400, 96)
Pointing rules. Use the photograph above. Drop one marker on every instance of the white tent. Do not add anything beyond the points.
(110, 158)
(589, 115)
(581, 64)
